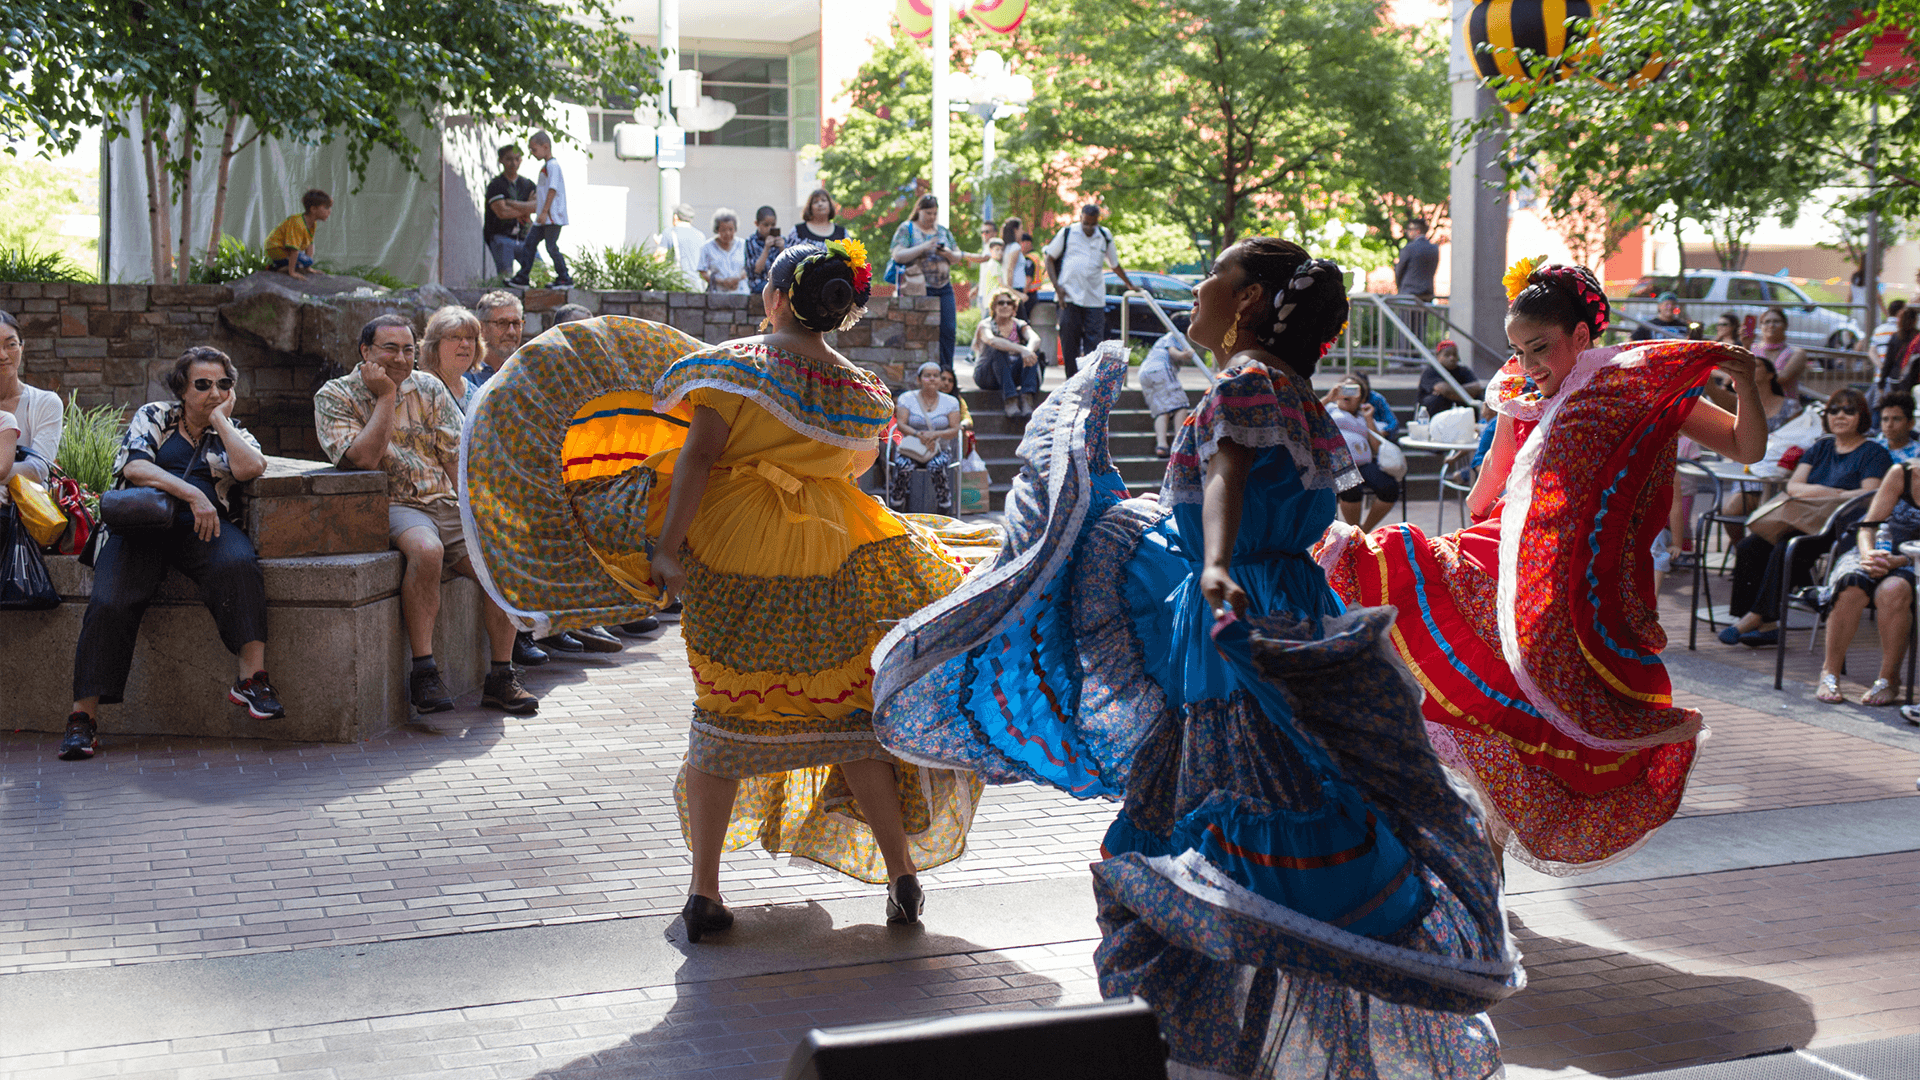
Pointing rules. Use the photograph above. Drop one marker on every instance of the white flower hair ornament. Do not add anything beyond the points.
(1302, 279)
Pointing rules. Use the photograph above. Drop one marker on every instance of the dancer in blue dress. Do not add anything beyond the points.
(1292, 880)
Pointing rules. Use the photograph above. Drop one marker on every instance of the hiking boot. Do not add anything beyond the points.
(526, 653)
(502, 690)
(428, 693)
(258, 695)
(83, 738)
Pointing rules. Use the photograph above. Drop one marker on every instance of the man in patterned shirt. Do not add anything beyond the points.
(384, 415)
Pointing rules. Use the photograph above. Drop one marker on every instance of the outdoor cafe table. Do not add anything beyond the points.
(1450, 456)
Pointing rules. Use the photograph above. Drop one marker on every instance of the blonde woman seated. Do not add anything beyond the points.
(450, 349)
(1873, 570)
(929, 424)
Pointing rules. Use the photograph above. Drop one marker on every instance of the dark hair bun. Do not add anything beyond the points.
(1563, 296)
(820, 285)
(1304, 302)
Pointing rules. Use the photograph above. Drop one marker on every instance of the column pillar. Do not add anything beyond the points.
(1478, 213)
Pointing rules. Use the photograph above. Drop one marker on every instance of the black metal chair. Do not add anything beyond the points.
(1704, 525)
(1844, 517)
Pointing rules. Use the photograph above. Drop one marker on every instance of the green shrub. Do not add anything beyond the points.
(23, 263)
(964, 322)
(629, 270)
(88, 444)
(232, 261)
(369, 273)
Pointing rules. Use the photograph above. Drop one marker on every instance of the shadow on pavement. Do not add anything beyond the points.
(1617, 1014)
(721, 1024)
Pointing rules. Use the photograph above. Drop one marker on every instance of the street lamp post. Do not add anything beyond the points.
(990, 92)
(942, 54)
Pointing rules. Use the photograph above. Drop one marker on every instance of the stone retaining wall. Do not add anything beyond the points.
(114, 344)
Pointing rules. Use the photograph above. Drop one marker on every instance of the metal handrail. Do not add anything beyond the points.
(1439, 311)
(1126, 323)
(1426, 354)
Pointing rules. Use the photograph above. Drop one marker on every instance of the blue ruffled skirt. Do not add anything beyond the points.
(1292, 881)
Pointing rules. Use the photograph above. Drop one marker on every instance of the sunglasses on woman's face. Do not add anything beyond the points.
(204, 385)
(1842, 410)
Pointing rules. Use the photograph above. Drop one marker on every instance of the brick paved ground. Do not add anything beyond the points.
(169, 849)
(164, 849)
(733, 1029)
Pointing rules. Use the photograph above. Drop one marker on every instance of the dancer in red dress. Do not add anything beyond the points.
(1535, 632)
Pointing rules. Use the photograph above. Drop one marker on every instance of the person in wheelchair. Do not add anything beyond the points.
(929, 425)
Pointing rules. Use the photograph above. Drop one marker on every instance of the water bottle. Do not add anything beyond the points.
(1417, 427)
(1883, 539)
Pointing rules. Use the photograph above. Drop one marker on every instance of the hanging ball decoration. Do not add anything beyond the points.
(999, 16)
(1503, 35)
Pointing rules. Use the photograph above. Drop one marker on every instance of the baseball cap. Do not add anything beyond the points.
(1669, 295)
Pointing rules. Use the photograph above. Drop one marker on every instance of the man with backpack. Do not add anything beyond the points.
(1077, 259)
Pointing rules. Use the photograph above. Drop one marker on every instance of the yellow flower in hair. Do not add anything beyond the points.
(854, 250)
(1515, 279)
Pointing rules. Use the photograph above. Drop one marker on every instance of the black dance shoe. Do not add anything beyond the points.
(703, 916)
(905, 900)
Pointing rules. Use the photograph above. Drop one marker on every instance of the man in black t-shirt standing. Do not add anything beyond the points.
(509, 207)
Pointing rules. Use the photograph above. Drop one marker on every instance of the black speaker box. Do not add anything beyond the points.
(1114, 1040)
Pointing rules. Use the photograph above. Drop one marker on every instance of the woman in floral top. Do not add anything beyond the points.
(191, 449)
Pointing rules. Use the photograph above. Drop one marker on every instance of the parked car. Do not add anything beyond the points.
(1174, 296)
(1706, 294)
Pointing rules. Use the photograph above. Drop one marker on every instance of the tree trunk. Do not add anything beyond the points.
(157, 248)
(1680, 248)
(189, 141)
(227, 150)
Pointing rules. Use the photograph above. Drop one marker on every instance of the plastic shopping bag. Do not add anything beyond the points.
(24, 584)
(38, 512)
(974, 483)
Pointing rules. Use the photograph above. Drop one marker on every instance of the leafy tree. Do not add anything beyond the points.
(1757, 104)
(169, 71)
(1226, 115)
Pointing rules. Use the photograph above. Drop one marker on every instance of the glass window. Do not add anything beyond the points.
(803, 70)
(1692, 287)
(1169, 289)
(1782, 293)
(1743, 290)
(757, 87)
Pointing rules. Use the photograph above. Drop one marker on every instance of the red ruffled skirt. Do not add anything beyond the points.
(1563, 718)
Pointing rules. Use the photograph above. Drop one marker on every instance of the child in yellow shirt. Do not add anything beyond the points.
(290, 245)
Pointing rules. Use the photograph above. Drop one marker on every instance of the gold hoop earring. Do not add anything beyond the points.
(766, 323)
(1226, 342)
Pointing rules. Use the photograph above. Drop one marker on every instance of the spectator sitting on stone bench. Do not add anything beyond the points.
(40, 413)
(191, 449)
(384, 415)
(502, 324)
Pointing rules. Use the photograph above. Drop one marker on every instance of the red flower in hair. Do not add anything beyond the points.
(861, 276)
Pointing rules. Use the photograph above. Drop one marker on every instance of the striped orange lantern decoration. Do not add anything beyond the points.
(1502, 35)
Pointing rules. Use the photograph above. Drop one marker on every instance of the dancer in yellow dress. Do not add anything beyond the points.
(729, 481)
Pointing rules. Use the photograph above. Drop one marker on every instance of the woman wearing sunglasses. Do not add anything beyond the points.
(191, 449)
(1845, 461)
